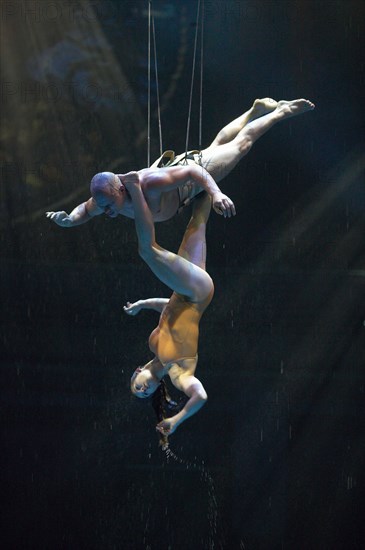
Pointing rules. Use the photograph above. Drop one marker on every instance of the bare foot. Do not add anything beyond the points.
(295, 107)
(262, 106)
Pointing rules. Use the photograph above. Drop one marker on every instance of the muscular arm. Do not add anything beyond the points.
(156, 304)
(194, 389)
(79, 215)
(167, 179)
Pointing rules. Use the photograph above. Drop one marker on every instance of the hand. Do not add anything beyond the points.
(60, 218)
(133, 309)
(166, 426)
(131, 179)
(223, 205)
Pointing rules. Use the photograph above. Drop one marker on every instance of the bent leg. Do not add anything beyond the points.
(174, 270)
(193, 246)
(178, 273)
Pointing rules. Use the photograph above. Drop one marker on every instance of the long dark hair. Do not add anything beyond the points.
(164, 407)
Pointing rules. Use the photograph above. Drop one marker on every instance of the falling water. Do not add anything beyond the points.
(208, 480)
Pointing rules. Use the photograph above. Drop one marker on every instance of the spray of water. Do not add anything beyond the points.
(165, 407)
(207, 479)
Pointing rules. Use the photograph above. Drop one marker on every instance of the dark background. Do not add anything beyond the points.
(276, 458)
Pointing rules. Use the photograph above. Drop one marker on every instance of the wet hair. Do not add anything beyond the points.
(164, 407)
(162, 403)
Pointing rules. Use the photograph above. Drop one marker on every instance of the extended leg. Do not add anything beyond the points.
(193, 246)
(176, 271)
(259, 108)
(220, 160)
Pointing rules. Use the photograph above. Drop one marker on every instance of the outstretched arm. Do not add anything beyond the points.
(79, 215)
(194, 389)
(156, 304)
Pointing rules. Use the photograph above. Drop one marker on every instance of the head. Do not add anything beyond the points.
(108, 192)
(143, 382)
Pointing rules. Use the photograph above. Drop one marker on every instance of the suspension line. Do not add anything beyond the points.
(201, 79)
(149, 86)
(192, 80)
(157, 87)
(151, 25)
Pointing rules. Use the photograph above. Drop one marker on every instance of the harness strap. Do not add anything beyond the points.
(168, 158)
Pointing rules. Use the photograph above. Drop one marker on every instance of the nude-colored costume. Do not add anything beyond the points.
(176, 336)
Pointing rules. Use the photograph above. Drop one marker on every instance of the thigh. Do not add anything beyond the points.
(193, 245)
(185, 272)
(221, 159)
(180, 274)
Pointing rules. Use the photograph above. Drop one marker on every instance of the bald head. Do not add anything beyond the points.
(108, 192)
(103, 183)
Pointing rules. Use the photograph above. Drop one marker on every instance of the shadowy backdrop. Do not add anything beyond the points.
(276, 458)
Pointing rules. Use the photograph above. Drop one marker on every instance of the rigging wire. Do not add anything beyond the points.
(157, 87)
(201, 79)
(149, 86)
(192, 82)
(151, 25)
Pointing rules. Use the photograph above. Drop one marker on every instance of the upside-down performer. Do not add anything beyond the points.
(172, 182)
(174, 342)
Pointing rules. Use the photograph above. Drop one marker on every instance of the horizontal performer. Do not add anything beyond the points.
(172, 182)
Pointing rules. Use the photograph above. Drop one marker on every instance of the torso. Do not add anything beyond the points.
(163, 204)
(176, 336)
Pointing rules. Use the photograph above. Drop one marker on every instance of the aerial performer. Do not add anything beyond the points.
(171, 183)
(174, 342)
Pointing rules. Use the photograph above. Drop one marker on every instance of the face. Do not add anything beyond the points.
(111, 199)
(143, 384)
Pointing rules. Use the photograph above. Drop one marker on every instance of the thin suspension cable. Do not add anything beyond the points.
(149, 87)
(192, 82)
(157, 87)
(201, 78)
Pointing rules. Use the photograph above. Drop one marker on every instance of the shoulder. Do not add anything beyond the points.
(168, 172)
(146, 175)
(91, 208)
(154, 179)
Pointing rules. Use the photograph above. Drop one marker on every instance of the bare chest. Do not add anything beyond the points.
(163, 205)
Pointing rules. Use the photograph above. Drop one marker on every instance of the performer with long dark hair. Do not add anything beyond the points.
(174, 342)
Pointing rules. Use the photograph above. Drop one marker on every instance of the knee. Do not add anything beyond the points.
(145, 251)
(203, 396)
(203, 287)
(221, 138)
(244, 144)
